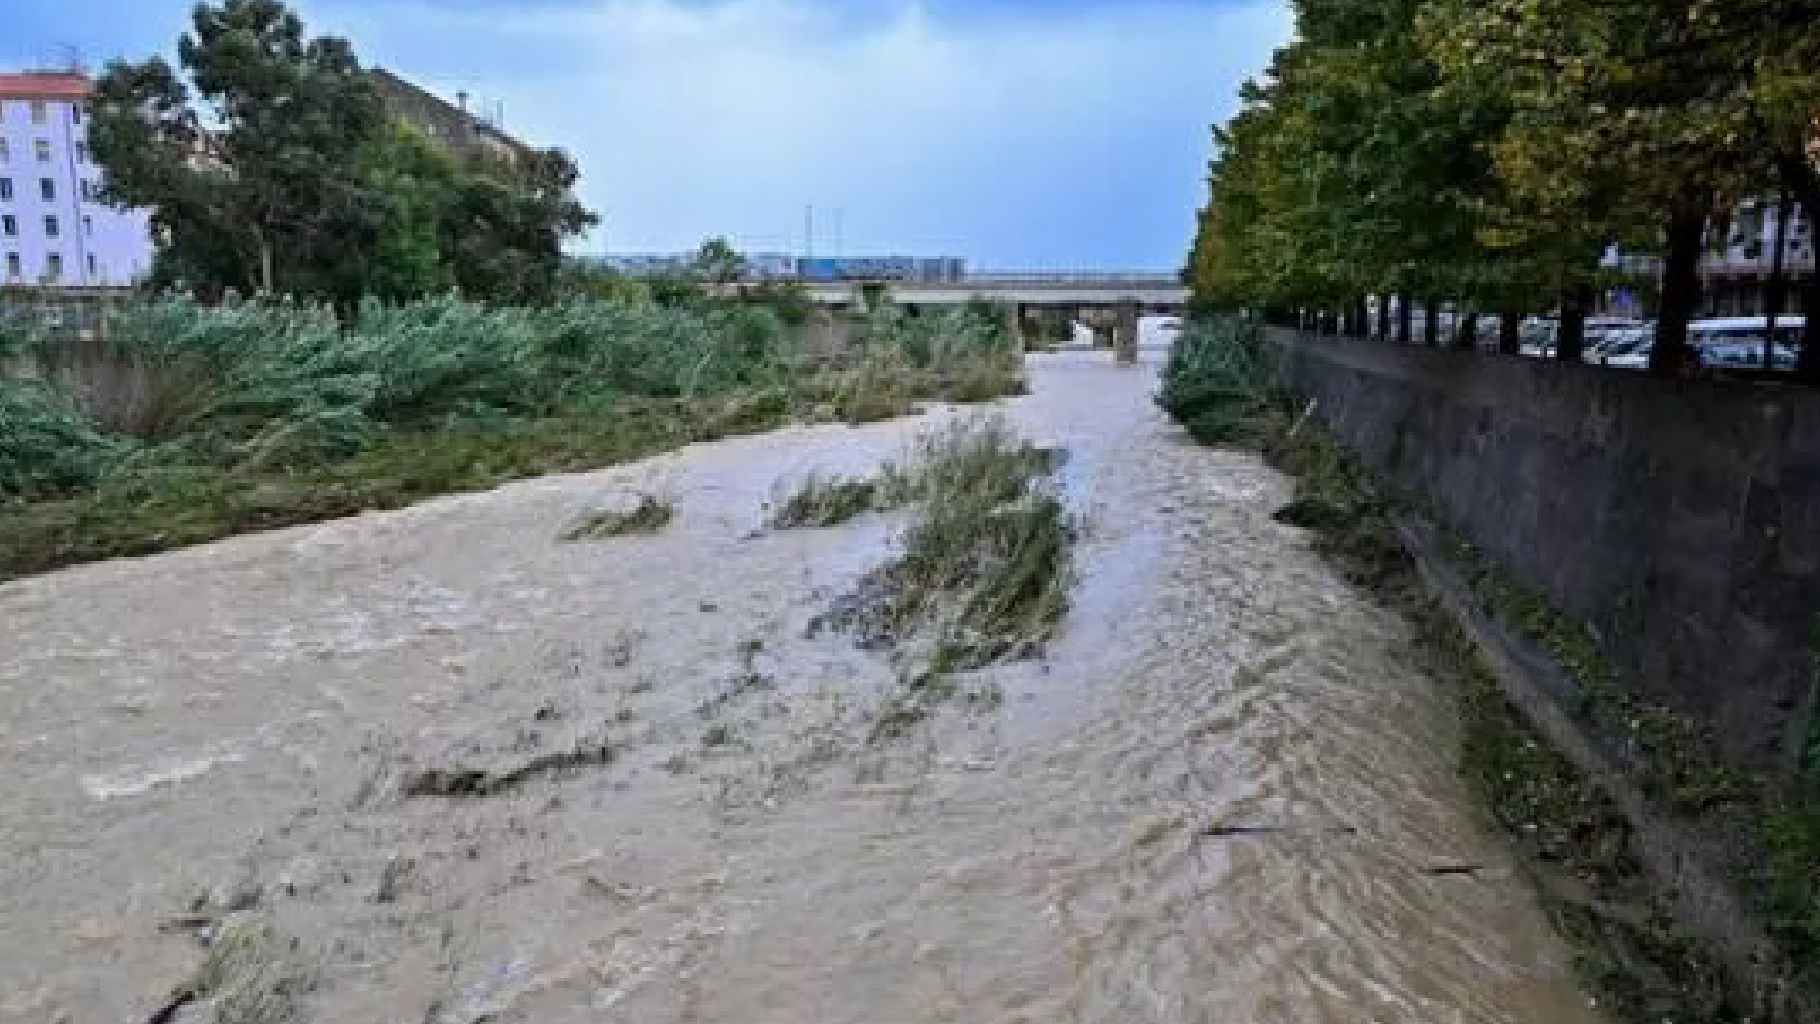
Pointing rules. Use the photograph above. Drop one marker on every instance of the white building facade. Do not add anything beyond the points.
(54, 230)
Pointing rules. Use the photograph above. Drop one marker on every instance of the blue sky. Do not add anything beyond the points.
(1014, 133)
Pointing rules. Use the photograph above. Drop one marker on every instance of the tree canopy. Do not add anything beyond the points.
(271, 165)
(1492, 150)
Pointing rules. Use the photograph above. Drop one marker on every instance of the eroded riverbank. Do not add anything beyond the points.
(1219, 798)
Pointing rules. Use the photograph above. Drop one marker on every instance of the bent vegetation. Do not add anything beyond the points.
(178, 423)
(982, 570)
(1220, 385)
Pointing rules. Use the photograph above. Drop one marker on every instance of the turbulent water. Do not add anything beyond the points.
(680, 806)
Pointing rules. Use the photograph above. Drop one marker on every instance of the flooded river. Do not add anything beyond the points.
(1218, 798)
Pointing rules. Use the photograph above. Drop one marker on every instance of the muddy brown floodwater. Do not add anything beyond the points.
(672, 804)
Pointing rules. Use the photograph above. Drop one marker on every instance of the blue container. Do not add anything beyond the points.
(818, 270)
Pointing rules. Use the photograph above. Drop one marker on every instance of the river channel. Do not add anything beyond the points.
(1217, 798)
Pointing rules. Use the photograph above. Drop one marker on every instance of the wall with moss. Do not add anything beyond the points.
(1678, 520)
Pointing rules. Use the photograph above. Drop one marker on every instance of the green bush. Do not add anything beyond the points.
(1217, 383)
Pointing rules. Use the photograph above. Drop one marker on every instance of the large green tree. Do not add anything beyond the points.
(270, 165)
(1646, 116)
(251, 167)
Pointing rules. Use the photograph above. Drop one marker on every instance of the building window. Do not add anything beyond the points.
(47, 190)
(5, 151)
(6, 189)
(13, 269)
(43, 148)
(9, 226)
(76, 113)
(88, 225)
(53, 266)
(50, 226)
(40, 112)
(82, 152)
(92, 271)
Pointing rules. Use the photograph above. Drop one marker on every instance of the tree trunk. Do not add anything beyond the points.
(1405, 319)
(1510, 332)
(1570, 335)
(1465, 328)
(265, 265)
(1775, 295)
(1680, 289)
(1361, 318)
(1383, 331)
(1431, 322)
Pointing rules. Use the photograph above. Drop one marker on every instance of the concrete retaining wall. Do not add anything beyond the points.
(1679, 520)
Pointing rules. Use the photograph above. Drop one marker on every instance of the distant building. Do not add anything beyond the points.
(1736, 266)
(448, 124)
(761, 265)
(54, 230)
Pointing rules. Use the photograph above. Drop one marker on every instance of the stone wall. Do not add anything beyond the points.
(1679, 520)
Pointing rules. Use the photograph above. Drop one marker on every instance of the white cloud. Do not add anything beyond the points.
(1007, 135)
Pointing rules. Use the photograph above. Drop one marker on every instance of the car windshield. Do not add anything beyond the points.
(1627, 343)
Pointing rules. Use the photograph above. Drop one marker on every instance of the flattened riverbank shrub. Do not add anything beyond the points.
(208, 420)
(46, 446)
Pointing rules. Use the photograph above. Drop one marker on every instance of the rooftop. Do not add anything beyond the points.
(44, 85)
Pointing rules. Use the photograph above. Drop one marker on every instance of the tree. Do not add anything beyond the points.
(502, 232)
(256, 157)
(276, 169)
(1644, 114)
(718, 262)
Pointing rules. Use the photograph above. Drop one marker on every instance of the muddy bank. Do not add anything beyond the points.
(468, 771)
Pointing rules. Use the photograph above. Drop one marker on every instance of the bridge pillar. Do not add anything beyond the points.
(1125, 333)
(1011, 315)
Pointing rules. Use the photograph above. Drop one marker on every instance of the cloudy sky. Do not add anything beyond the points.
(1014, 133)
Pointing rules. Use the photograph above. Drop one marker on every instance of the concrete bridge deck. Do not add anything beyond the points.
(1087, 288)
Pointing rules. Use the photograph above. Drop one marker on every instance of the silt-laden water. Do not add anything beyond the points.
(698, 820)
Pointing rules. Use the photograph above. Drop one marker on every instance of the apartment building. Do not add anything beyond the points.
(450, 125)
(54, 230)
(1737, 267)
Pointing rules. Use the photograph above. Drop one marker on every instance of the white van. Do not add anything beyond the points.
(1737, 341)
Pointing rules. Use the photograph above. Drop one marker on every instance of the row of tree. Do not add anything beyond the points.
(275, 168)
(1491, 152)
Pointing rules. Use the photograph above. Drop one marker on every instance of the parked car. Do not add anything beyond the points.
(1602, 330)
(1628, 349)
(1740, 356)
(1738, 342)
(1538, 335)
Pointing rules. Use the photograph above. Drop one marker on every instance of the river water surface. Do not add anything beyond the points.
(704, 821)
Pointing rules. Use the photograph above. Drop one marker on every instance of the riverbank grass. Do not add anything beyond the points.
(292, 414)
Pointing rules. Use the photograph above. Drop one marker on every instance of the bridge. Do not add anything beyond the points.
(1149, 290)
(1109, 303)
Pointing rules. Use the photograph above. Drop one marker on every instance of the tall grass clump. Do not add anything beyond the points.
(819, 501)
(955, 354)
(1218, 383)
(986, 561)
